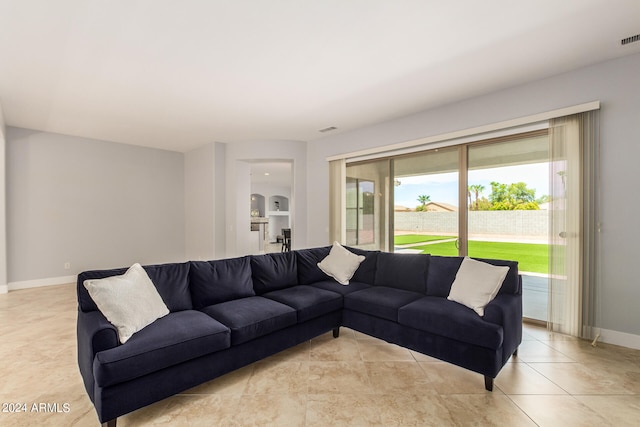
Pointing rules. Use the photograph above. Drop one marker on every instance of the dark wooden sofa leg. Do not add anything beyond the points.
(336, 332)
(488, 383)
(110, 423)
(515, 353)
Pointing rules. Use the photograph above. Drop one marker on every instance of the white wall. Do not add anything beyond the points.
(91, 203)
(3, 215)
(204, 202)
(239, 156)
(615, 84)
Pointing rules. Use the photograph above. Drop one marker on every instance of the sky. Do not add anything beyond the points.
(444, 187)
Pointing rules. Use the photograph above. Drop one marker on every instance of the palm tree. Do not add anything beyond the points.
(477, 189)
(424, 200)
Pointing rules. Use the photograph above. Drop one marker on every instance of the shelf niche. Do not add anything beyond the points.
(278, 204)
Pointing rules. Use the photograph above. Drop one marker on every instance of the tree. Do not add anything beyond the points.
(476, 189)
(514, 196)
(423, 202)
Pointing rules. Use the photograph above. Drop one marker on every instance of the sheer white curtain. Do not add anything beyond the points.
(574, 214)
(337, 197)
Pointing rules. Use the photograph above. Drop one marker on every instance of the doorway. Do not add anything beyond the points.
(272, 205)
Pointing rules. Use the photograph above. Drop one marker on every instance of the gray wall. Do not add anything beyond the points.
(199, 199)
(91, 203)
(614, 83)
(204, 202)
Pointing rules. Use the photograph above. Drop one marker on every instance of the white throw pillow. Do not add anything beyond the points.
(477, 283)
(340, 264)
(130, 301)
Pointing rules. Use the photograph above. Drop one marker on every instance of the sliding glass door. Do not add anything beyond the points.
(508, 216)
(426, 202)
(367, 215)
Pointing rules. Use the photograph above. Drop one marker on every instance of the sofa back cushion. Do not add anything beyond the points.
(274, 271)
(212, 282)
(511, 283)
(442, 273)
(443, 270)
(308, 259)
(171, 281)
(366, 272)
(402, 271)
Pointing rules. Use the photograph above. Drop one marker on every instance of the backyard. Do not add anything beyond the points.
(532, 257)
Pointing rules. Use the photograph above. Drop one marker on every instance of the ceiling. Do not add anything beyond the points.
(178, 74)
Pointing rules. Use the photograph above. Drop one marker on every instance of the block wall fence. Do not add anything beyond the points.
(503, 223)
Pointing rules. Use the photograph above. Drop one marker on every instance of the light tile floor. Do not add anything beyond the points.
(354, 380)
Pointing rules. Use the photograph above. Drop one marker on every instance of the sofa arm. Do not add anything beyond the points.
(506, 310)
(94, 334)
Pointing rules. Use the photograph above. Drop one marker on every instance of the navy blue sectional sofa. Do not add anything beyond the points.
(228, 313)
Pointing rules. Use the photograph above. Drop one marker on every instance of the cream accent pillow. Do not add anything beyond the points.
(477, 283)
(130, 301)
(341, 264)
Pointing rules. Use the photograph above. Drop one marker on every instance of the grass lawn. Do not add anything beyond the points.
(407, 239)
(532, 257)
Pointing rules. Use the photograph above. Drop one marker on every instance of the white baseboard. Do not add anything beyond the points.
(4, 289)
(620, 338)
(37, 283)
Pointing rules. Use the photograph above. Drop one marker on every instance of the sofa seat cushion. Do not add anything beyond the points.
(333, 286)
(252, 317)
(452, 320)
(380, 301)
(308, 301)
(172, 339)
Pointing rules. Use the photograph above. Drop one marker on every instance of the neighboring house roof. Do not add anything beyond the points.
(441, 207)
(400, 208)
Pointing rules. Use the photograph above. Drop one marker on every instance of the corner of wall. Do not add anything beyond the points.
(220, 191)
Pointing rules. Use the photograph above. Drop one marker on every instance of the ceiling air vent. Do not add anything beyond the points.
(329, 129)
(631, 39)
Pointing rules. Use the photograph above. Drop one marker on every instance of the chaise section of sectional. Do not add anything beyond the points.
(168, 341)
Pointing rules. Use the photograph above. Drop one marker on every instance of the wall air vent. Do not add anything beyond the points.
(631, 39)
(329, 129)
